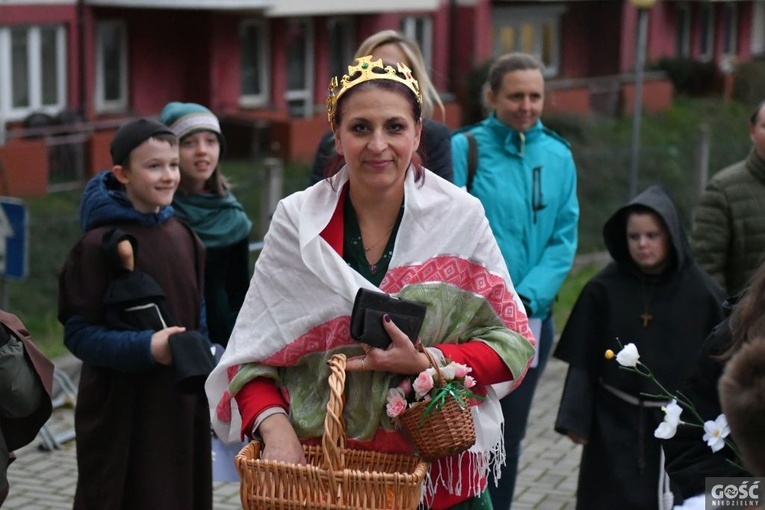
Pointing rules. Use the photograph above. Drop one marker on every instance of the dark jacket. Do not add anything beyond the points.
(689, 459)
(435, 151)
(19, 424)
(728, 236)
(621, 462)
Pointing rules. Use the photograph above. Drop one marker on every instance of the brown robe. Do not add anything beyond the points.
(141, 444)
(19, 432)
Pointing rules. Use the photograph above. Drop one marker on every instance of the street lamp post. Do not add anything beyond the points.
(643, 6)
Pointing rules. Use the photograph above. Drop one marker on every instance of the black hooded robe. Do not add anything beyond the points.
(620, 465)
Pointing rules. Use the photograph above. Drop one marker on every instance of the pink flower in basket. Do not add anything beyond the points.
(396, 402)
(461, 371)
(456, 383)
(423, 384)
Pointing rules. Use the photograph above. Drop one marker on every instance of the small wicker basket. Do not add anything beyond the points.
(334, 477)
(444, 431)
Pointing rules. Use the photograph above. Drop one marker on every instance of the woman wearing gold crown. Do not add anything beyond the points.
(383, 222)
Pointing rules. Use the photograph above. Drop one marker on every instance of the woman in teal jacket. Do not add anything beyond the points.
(525, 177)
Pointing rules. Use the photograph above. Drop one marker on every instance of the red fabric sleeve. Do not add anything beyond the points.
(257, 396)
(488, 367)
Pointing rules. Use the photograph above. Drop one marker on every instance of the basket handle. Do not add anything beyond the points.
(432, 361)
(333, 439)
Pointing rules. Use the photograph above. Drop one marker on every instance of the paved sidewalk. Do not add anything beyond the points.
(42, 480)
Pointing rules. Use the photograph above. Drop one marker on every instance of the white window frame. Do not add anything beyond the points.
(758, 28)
(683, 16)
(34, 65)
(730, 29)
(541, 16)
(707, 54)
(257, 100)
(306, 93)
(409, 25)
(113, 105)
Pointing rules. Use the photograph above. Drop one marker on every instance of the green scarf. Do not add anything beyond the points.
(217, 220)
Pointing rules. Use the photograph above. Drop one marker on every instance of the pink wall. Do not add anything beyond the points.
(321, 61)
(278, 63)
(225, 57)
(157, 63)
(441, 47)
(661, 31)
(574, 43)
(745, 14)
(627, 45)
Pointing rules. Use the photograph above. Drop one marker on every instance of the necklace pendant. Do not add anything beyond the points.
(373, 269)
(646, 318)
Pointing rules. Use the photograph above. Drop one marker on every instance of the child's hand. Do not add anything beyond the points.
(160, 344)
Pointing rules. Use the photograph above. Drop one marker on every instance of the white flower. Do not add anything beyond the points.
(716, 432)
(668, 427)
(628, 356)
(448, 372)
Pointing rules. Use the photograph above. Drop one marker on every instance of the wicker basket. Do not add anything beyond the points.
(334, 477)
(442, 432)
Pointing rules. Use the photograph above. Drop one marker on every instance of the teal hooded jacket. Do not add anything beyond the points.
(527, 184)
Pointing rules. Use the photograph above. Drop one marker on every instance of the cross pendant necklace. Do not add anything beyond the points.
(645, 316)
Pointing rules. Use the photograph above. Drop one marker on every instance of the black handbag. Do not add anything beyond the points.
(368, 310)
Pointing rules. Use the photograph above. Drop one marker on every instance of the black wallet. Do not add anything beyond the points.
(368, 310)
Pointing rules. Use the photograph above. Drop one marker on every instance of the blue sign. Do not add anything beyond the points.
(13, 238)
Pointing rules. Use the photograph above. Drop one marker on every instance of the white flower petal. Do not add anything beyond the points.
(665, 430)
(672, 413)
(628, 356)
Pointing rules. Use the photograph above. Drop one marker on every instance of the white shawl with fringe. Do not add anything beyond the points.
(302, 292)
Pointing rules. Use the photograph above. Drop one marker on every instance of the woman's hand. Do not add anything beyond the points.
(281, 442)
(400, 357)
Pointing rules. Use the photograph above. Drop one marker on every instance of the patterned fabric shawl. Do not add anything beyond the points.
(297, 310)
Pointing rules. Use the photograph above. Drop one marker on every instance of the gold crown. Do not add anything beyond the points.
(366, 70)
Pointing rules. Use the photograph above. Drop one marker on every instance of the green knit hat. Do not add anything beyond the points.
(185, 119)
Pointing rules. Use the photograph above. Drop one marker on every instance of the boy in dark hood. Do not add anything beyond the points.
(654, 295)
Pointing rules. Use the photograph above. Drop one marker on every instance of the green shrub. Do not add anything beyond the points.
(690, 77)
(749, 84)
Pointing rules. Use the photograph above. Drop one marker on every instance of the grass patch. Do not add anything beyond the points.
(569, 293)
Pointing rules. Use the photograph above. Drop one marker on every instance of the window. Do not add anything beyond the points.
(420, 28)
(706, 31)
(341, 47)
(111, 66)
(254, 77)
(730, 32)
(530, 30)
(683, 24)
(300, 51)
(32, 70)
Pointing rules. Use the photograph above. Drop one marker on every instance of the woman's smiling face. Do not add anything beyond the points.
(377, 135)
